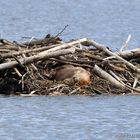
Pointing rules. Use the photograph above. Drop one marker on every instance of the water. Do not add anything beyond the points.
(108, 22)
(75, 117)
(78, 118)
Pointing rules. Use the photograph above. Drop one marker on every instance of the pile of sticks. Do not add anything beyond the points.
(25, 67)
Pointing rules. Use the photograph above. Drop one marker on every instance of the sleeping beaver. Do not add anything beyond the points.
(78, 74)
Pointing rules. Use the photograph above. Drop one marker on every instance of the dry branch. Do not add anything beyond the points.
(40, 56)
(103, 74)
(130, 54)
(106, 50)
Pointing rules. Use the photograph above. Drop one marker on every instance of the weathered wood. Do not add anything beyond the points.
(67, 45)
(44, 41)
(103, 74)
(25, 51)
(125, 45)
(130, 54)
(40, 56)
(117, 83)
(106, 50)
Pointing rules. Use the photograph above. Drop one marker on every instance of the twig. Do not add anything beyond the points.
(22, 80)
(18, 73)
(135, 82)
(125, 45)
(61, 31)
(108, 58)
(115, 76)
(74, 91)
(71, 63)
(22, 66)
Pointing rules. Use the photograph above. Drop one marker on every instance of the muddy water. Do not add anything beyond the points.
(78, 118)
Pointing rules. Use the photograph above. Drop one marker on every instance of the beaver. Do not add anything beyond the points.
(78, 74)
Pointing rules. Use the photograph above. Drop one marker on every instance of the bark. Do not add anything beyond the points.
(103, 74)
(40, 56)
(49, 48)
(9, 55)
(106, 50)
(130, 54)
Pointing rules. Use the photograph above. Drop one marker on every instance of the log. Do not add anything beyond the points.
(10, 55)
(103, 74)
(67, 45)
(49, 48)
(130, 54)
(34, 58)
(106, 50)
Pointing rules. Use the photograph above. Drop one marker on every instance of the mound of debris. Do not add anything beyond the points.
(50, 66)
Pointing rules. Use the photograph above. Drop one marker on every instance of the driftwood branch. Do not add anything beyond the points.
(40, 56)
(130, 54)
(103, 74)
(125, 45)
(106, 50)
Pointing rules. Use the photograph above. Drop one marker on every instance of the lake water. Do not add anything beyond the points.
(75, 117)
(67, 118)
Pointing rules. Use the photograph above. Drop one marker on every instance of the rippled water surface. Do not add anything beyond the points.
(67, 118)
(75, 117)
(107, 21)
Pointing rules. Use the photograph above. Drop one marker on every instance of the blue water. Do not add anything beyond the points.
(61, 118)
(108, 22)
(75, 117)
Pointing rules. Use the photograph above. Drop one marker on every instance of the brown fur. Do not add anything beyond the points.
(80, 75)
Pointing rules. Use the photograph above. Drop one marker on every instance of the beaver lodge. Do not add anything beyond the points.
(50, 66)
